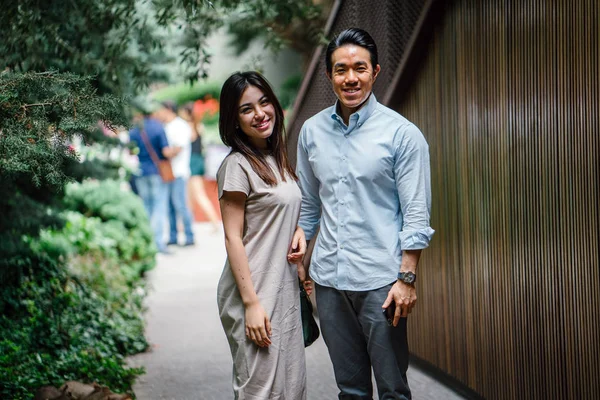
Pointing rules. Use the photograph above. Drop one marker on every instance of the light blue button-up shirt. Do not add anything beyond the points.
(368, 187)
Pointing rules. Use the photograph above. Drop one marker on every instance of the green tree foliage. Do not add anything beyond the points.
(282, 23)
(125, 43)
(122, 43)
(39, 114)
(101, 38)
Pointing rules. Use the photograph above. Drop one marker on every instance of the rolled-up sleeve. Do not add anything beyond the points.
(412, 171)
(310, 212)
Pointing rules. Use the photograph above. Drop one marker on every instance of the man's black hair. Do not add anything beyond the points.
(169, 105)
(355, 36)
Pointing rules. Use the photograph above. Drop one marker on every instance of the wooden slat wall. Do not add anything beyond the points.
(508, 96)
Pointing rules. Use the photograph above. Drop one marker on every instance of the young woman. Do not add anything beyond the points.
(196, 182)
(258, 293)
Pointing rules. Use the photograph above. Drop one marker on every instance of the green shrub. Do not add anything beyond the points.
(65, 328)
(66, 331)
(184, 92)
(82, 316)
(131, 250)
(121, 229)
(108, 201)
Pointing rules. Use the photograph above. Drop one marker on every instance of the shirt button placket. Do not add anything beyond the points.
(342, 212)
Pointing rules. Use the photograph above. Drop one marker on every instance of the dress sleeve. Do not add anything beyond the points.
(232, 177)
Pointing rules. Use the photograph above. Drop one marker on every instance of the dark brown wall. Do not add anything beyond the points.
(508, 97)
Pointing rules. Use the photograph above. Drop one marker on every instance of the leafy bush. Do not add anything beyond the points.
(65, 331)
(83, 316)
(108, 201)
(62, 328)
(184, 92)
(120, 229)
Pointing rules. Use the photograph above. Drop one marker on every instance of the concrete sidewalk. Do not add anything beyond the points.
(189, 357)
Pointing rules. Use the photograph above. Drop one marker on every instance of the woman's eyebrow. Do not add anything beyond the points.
(249, 104)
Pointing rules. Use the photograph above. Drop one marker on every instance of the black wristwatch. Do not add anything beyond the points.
(407, 277)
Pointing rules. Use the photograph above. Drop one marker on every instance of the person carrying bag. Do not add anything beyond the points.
(164, 166)
(150, 181)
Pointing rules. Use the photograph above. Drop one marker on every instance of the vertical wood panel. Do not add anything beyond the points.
(509, 291)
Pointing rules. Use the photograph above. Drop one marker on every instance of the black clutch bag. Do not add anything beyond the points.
(310, 329)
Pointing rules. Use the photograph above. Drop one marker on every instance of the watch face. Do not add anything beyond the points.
(408, 277)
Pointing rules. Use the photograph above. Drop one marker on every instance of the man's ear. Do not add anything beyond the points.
(328, 75)
(376, 71)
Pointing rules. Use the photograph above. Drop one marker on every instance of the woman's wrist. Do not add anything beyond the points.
(251, 302)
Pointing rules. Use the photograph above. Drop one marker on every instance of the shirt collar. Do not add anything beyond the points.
(361, 115)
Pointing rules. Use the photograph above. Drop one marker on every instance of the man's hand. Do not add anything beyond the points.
(296, 256)
(405, 298)
(304, 278)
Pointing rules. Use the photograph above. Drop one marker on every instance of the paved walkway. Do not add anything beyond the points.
(190, 359)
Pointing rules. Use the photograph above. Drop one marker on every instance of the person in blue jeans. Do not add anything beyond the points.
(151, 139)
(179, 136)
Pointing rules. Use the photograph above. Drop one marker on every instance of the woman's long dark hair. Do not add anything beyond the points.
(234, 137)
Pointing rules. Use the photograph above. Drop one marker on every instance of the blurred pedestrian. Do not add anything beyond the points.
(258, 295)
(196, 182)
(179, 135)
(364, 174)
(150, 138)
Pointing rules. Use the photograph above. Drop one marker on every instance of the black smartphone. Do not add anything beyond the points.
(389, 313)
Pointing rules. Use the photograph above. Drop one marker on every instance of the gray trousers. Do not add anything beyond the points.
(358, 337)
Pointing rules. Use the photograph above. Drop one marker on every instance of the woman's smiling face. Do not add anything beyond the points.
(256, 116)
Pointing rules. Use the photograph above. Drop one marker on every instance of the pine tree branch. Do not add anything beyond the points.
(37, 104)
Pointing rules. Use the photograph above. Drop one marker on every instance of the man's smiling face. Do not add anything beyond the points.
(352, 76)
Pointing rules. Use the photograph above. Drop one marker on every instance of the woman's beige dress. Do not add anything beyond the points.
(271, 215)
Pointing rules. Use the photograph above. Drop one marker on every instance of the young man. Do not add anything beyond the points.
(151, 140)
(179, 135)
(364, 174)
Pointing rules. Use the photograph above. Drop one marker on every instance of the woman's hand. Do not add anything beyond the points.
(297, 247)
(258, 326)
